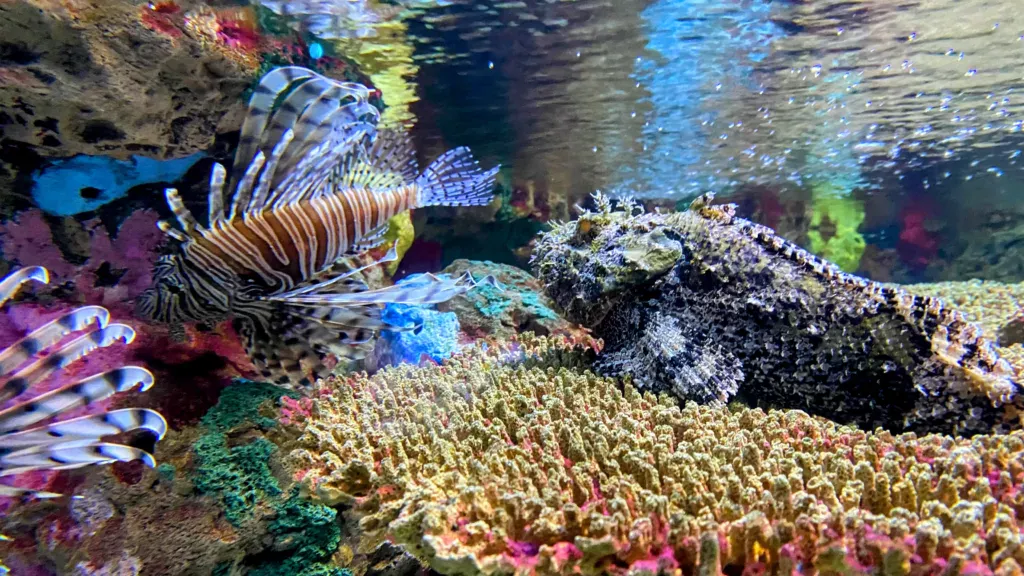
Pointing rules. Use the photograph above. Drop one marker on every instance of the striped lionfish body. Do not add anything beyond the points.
(31, 438)
(313, 186)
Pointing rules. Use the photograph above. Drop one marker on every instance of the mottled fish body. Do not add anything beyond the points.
(313, 186)
(32, 437)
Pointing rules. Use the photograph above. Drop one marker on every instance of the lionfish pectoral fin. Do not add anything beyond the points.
(371, 240)
(336, 279)
(435, 291)
(294, 351)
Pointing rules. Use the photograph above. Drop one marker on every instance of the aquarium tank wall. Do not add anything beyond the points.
(511, 288)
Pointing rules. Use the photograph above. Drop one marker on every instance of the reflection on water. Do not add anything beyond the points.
(672, 97)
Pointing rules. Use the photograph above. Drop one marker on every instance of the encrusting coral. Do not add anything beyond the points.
(728, 308)
(514, 460)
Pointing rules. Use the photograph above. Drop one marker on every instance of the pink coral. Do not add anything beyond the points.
(117, 270)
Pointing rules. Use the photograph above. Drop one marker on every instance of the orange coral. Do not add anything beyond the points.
(499, 462)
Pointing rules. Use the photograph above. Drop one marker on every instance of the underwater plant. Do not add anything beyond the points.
(726, 308)
(516, 459)
(27, 442)
(314, 186)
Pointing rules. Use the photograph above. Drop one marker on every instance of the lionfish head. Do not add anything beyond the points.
(179, 295)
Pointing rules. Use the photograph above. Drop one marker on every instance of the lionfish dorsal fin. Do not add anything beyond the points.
(271, 86)
(215, 199)
(388, 163)
(288, 149)
(186, 220)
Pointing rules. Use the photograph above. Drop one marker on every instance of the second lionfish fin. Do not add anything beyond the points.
(35, 372)
(80, 393)
(42, 338)
(70, 455)
(10, 284)
(95, 427)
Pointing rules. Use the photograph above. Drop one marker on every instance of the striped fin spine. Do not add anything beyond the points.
(435, 291)
(81, 393)
(388, 163)
(271, 85)
(46, 365)
(31, 437)
(455, 179)
(285, 149)
(13, 281)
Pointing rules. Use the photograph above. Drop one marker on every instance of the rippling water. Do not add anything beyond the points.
(672, 97)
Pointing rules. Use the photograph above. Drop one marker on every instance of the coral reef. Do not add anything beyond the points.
(437, 337)
(507, 461)
(517, 305)
(219, 503)
(110, 270)
(727, 308)
(86, 78)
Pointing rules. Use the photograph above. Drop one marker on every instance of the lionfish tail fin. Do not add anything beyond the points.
(456, 179)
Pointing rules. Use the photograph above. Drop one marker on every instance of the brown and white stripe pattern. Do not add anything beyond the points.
(30, 438)
(312, 183)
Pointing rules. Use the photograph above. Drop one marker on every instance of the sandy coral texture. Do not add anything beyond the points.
(498, 463)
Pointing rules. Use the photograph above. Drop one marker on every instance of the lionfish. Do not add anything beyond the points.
(314, 186)
(27, 442)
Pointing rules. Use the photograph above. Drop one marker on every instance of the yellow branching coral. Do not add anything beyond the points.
(503, 461)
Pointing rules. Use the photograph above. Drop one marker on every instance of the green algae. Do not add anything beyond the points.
(166, 472)
(240, 403)
(490, 301)
(315, 533)
(240, 476)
